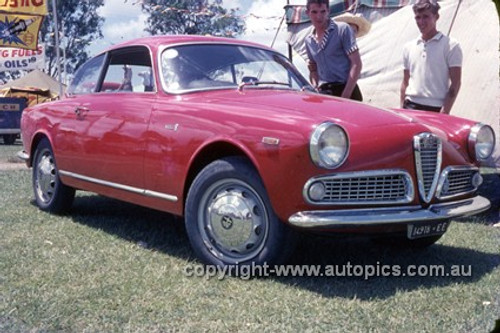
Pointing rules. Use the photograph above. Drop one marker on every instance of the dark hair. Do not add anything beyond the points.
(421, 5)
(318, 2)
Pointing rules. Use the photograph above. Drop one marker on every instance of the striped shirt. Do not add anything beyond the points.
(331, 54)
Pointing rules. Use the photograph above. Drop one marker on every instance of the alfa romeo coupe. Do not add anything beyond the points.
(230, 136)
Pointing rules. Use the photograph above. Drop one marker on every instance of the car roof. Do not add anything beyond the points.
(156, 41)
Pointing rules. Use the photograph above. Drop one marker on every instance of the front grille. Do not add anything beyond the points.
(428, 152)
(358, 188)
(458, 181)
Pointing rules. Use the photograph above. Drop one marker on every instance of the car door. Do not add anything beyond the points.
(109, 126)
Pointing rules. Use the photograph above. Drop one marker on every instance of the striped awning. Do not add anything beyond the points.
(297, 13)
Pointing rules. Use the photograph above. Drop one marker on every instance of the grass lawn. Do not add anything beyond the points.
(115, 267)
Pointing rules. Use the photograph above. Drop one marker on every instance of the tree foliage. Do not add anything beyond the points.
(193, 17)
(81, 24)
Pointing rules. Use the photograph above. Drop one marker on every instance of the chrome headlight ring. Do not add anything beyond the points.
(481, 142)
(329, 145)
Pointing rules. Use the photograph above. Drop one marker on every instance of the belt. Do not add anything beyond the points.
(416, 106)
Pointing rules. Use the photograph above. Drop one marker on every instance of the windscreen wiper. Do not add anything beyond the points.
(257, 83)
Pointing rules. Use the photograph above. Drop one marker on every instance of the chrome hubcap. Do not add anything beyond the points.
(233, 221)
(45, 178)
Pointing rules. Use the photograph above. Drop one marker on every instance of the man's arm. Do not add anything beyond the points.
(313, 73)
(451, 96)
(354, 72)
(404, 85)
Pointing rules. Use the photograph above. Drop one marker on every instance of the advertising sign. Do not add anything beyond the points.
(34, 7)
(20, 31)
(12, 59)
(20, 22)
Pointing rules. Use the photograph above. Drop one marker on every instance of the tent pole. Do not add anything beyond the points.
(58, 55)
(454, 17)
(290, 54)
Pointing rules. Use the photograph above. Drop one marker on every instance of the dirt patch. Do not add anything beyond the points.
(5, 166)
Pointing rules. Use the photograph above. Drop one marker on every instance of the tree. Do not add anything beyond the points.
(80, 24)
(194, 17)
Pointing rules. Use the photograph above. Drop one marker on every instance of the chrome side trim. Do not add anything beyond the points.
(324, 219)
(122, 187)
(409, 196)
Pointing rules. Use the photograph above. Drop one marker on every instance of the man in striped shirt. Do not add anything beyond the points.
(334, 59)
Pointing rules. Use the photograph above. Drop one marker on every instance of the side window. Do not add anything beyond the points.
(129, 70)
(87, 77)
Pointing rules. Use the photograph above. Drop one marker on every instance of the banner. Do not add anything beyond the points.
(20, 59)
(19, 30)
(33, 7)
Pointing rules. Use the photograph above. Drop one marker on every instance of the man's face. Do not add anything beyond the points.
(426, 21)
(319, 14)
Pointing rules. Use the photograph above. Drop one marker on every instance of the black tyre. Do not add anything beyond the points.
(9, 139)
(51, 194)
(229, 219)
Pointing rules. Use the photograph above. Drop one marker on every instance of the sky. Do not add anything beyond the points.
(125, 21)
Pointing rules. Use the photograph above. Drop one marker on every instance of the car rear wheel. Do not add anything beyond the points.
(9, 139)
(50, 193)
(229, 218)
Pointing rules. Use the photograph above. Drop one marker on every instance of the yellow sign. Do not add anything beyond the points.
(33, 7)
(19, 31)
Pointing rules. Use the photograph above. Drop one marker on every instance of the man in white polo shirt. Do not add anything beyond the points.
(432, 64)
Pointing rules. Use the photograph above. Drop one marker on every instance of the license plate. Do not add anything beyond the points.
(427, 229)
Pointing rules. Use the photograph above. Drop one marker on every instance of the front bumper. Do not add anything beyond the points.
(352, 218)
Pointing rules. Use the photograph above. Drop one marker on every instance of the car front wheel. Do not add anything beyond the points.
(51, 194)
(229, 218)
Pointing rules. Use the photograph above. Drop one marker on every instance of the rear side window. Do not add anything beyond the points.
(87, 77)
(129, 70)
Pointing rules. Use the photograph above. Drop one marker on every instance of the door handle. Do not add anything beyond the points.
(79, 110)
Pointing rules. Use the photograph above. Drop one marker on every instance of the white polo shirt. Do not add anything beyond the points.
(429, 63)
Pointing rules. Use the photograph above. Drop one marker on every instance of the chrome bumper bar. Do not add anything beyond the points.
(381, 216)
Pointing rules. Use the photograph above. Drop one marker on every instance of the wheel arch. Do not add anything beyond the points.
(34, 144)
(209, 153)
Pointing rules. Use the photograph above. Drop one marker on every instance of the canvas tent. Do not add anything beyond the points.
(36, 86)
(474, 23)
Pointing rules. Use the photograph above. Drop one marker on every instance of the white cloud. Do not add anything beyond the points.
(120, 8)
(125, 21)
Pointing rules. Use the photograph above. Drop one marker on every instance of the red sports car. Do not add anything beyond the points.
(229, 135)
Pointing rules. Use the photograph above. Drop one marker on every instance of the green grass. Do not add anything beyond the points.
(115, 267)
(8, 152)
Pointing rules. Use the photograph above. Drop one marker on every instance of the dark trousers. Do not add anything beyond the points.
(415, 106)
(336, 89)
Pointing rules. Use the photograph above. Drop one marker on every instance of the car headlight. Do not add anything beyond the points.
(481, 141)
(329, 146)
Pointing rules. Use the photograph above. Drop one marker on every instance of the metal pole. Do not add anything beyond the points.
(290, 53)
(454, 17)
(58, 55)
(65, 43)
